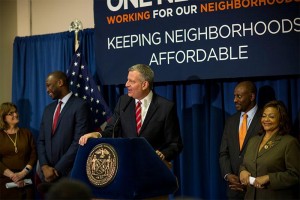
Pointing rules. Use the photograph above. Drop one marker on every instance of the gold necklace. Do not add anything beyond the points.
(14, 142)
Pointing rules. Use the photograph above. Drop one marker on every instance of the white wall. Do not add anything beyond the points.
(35, 17)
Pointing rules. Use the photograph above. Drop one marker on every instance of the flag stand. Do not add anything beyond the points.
(76, 26)
(83, 85)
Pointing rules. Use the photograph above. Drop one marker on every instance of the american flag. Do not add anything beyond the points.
(84, 86)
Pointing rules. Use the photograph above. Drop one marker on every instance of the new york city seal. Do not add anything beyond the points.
(102, 165)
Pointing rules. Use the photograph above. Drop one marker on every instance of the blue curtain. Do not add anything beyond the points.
(202, 105)
(34, 58)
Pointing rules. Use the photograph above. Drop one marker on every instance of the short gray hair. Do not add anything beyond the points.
(146, 72)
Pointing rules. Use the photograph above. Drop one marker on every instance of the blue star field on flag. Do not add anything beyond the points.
(83, 85)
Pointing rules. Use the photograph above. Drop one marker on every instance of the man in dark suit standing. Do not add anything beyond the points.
(57, 145)
(231, 151)
(159, 121)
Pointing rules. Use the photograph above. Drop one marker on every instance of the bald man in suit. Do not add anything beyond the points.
(231, 155)
(57, 147)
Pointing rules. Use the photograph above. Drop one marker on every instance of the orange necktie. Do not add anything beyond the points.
(243, 130)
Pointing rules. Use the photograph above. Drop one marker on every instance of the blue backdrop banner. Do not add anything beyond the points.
(197, 39)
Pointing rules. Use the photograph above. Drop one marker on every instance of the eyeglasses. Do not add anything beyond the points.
(12, 113)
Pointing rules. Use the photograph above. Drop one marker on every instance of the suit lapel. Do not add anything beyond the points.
(51, 114)
(236, 124)
(151, 110)
(132, 122)
(256, 150)
(255, 122)
(65, 109)
(273, 141)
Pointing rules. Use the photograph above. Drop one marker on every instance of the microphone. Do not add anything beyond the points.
(118, 119)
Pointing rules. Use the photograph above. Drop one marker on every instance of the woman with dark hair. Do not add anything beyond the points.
(271, 167)
(17, 156)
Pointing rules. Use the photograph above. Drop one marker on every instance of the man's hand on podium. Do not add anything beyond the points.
(83, 139)
(162, 157)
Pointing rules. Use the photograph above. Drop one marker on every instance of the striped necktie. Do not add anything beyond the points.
(138, 116)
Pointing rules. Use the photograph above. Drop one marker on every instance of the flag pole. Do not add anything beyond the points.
(76, 26)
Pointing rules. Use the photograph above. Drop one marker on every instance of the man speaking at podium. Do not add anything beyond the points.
(142, 113)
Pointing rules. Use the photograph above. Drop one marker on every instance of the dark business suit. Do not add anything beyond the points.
(279, 159)
(230, 154)
(160, 127)
(59, 150)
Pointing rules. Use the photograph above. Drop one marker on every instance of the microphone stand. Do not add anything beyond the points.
(118, 119)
